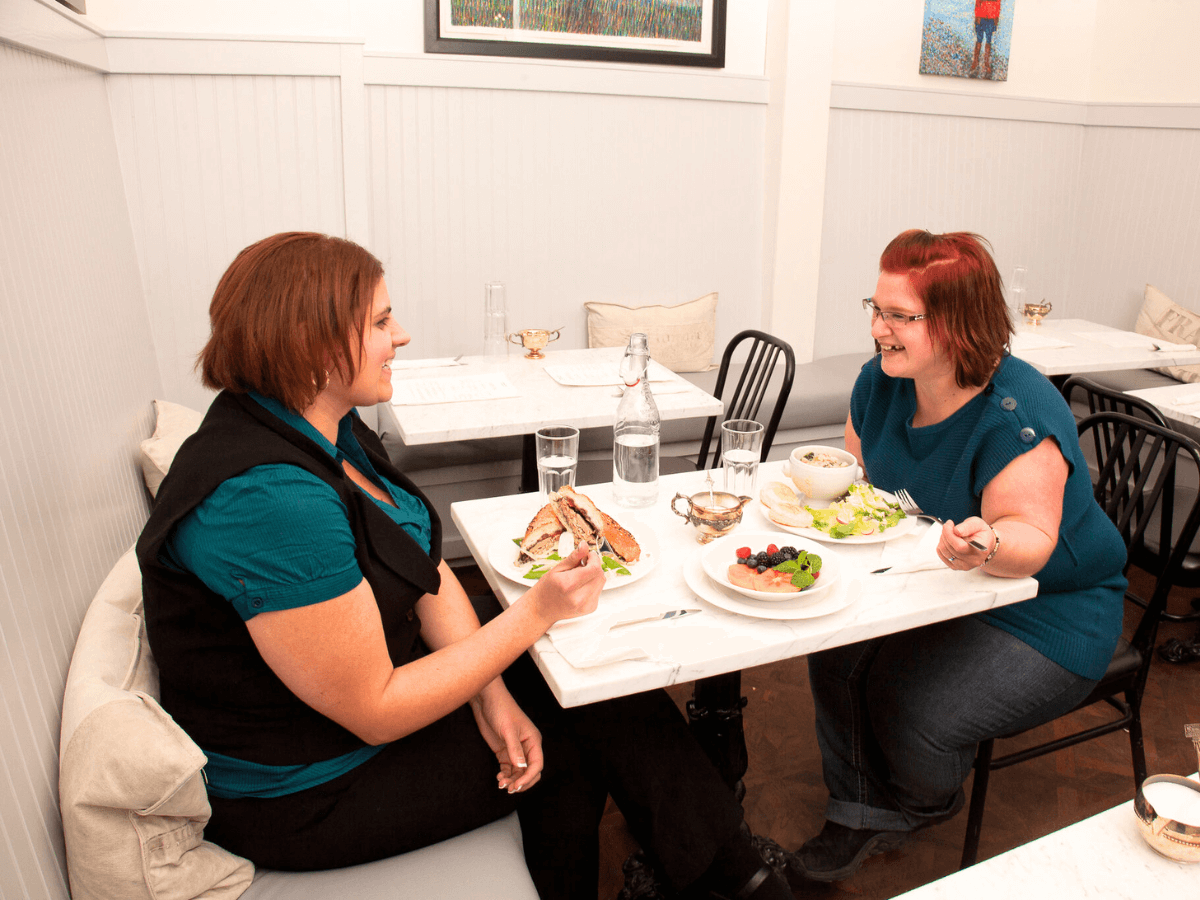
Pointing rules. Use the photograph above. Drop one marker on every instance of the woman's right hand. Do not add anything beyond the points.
(570, 589)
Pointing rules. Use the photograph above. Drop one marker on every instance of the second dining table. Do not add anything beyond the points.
(585, 660)
(474, 397)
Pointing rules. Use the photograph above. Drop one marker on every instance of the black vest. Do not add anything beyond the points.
(213, 680)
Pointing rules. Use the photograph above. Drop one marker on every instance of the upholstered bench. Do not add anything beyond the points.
(466, 470)
(131, 785)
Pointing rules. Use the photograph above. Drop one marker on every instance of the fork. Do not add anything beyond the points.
(911, 509)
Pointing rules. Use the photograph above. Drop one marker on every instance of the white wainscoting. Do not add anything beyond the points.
(565, 198)
(212, 163)
(75, 400)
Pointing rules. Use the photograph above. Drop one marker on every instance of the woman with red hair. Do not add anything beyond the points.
(985, 443)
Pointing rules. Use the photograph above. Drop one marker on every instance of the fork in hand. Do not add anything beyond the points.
(911, 509)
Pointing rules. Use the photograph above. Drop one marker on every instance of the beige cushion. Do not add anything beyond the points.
(130, 789)
(681, 337)
(1160, 317)
(173, 424)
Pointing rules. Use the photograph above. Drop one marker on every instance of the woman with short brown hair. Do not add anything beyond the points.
(313, 642)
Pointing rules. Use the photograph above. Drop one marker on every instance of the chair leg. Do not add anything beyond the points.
(983, 770)
(715, 714)
(1137, 746)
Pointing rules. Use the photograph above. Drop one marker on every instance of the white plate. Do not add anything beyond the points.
(802, 608)
(502, 555)
(718, 556)
(901, 528)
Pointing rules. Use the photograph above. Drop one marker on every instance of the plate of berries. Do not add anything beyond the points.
(771, 566)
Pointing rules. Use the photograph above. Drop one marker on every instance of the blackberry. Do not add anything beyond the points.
(792, 552)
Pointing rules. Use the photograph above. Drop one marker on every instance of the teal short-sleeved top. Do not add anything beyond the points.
(1077, 616)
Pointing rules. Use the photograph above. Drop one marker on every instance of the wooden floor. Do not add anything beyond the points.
(785, 795)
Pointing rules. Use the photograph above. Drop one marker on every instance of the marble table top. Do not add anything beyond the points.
(719, 640)
(541, 400)
(1092, 348)
(1101, 856)
(1176, 401)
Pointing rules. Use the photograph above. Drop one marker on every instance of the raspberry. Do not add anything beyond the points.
(771, 548)
(743, 552)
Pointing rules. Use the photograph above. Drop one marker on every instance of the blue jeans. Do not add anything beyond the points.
(899, 717)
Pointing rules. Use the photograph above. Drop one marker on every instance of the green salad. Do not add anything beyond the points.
(863, 511)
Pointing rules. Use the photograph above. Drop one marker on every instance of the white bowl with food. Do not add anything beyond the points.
(721, 563)
(821, 472)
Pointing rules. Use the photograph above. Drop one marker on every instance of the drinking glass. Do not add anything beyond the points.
(1017, 288)
(557, 457)
(741, 446)
(495, 319)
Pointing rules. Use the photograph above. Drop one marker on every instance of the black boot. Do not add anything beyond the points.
(838, 851)
(739, 873)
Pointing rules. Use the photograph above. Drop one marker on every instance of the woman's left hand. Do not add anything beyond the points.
(954, 546)
(514, 739)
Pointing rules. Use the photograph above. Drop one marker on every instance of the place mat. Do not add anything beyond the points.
(437, 363)
(1024, 340)
(599, 374)
(1131, 339)
(423, 391)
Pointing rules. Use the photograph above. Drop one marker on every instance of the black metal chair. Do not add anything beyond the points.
(1104, 399)
(1137, 464)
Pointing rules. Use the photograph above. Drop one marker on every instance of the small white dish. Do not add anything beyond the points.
(826, 604)
(717, 557)
(820, 482)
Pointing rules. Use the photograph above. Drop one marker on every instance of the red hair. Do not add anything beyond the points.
(956, 277)
(287, 310)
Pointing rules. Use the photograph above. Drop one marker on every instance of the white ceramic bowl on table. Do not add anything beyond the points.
(821, 482)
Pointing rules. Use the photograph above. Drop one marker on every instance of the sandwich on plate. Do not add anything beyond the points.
(575, 514)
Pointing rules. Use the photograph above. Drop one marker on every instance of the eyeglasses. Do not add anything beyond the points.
(893, 319)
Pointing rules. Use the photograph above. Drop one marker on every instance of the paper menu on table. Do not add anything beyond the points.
(424, 391)
(1023, 340)
(599, 374)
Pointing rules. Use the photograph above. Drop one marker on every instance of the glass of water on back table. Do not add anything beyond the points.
(557, 456)
(741, 446)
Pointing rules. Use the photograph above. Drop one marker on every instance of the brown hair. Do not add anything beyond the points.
(287, 310)
(956, 277)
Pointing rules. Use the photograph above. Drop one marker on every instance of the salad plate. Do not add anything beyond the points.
(901, 528)
(502, 556)
(729, 600)
(717, 557)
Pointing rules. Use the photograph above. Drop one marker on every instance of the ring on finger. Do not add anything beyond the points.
(950, 559)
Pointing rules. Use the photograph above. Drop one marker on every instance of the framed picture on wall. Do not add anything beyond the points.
(967, 38)
(662, 32)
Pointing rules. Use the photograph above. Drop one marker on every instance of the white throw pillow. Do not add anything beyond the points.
(680, 337)
(173, 424)
(131, 792)
(1160, 317)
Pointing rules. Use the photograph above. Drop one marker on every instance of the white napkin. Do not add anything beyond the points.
(589, 641)
(1024, 340)
(903, 555)
(438, 363)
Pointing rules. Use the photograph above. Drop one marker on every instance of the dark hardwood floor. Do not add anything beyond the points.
(785, 795)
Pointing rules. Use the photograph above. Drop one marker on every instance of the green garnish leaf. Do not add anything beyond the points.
(801, 580)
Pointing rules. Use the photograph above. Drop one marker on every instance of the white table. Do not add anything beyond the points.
(1102, 856)
(1180, 402)
(540, 400)
(718, 641)
(1089, 351)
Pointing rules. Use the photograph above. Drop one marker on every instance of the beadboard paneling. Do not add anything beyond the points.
(212, 163)
(75, 400)
(566, 198)
(1018, 183)
(1138, 221)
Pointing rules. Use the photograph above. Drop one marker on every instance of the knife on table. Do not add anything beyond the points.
(670, 614)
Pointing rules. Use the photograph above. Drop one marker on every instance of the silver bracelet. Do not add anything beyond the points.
(987, 559)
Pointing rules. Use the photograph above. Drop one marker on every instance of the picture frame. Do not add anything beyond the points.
(655, 32)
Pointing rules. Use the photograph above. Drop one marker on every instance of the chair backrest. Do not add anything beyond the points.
(747, 396)
(1134, 484)
(1105, 399)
